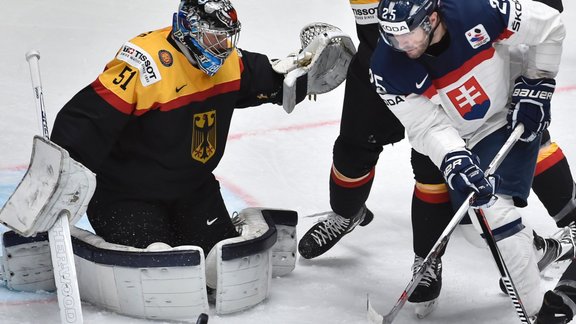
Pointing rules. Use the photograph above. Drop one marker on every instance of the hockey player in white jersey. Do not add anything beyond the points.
(443, 72)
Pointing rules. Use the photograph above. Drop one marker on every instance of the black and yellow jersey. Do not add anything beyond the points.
(154, 125)
(365, 13)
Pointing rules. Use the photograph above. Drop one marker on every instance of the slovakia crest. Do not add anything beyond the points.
(477, 36)
(204, 136)
(470, 100)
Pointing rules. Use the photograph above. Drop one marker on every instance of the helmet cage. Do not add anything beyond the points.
(210, 32)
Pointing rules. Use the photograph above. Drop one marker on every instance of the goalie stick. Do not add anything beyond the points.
(59, 235)
(373, 315)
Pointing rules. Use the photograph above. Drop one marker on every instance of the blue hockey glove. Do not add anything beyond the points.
(462, 173)
(531, 106)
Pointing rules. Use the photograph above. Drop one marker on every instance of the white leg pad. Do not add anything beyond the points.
(284, 250)
(53, 184)
(520, 258)
(159, 282)
(26, 263)
(471, 235)
(243, 265)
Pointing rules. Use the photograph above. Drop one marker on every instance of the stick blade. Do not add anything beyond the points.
(373, 315)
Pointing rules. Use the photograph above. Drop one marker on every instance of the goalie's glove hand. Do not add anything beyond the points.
(462, 172)
(531, 106)
(319, 67)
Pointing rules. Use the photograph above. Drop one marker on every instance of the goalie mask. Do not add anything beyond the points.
(206, 31)
(405, 24)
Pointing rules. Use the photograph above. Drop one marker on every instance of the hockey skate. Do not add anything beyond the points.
(425, 296)
(554, 310)
(559, 247)
(323, 235)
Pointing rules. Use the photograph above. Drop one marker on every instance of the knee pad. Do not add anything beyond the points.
(240, 268)
(159, 282)
(27, 262)
(353, 158)
(472, 235)
(503, 218)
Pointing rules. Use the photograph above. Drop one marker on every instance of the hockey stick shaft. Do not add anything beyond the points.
(33, 57)
(59, 235)
(444, 237)
(504, 273)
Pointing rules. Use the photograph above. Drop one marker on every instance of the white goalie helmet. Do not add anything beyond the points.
(208, 30)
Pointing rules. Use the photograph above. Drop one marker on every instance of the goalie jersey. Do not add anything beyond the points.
(166, 122)
(461, 94)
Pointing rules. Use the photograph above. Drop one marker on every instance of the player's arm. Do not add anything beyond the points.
(89, 124)
(405, 88)
(539, 26)
(259, 82)
(427, 126)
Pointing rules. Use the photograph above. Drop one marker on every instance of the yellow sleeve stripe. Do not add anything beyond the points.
(356, 2)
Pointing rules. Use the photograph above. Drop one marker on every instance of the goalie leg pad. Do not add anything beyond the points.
(26, 262)
(240, 268)
(284, 250)
(54, 182)
(159, 282)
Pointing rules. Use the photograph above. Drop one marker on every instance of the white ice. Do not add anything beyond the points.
(272, 160)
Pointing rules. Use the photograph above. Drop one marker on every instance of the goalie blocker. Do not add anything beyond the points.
(163, 282)
(53, 184)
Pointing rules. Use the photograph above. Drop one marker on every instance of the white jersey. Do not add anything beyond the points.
(460, 96)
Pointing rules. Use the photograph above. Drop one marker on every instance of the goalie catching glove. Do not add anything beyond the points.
(323, 61)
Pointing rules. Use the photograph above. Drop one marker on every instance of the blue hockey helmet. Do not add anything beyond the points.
(404, 22)
(208, 30)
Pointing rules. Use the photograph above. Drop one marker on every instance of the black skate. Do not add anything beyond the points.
(425, 296)
(559, 247)
(323, 235)
(554, 310)
(202, 319)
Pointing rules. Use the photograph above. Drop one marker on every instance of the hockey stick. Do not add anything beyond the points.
(59, 235)
(504, 273)
(376, 317)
